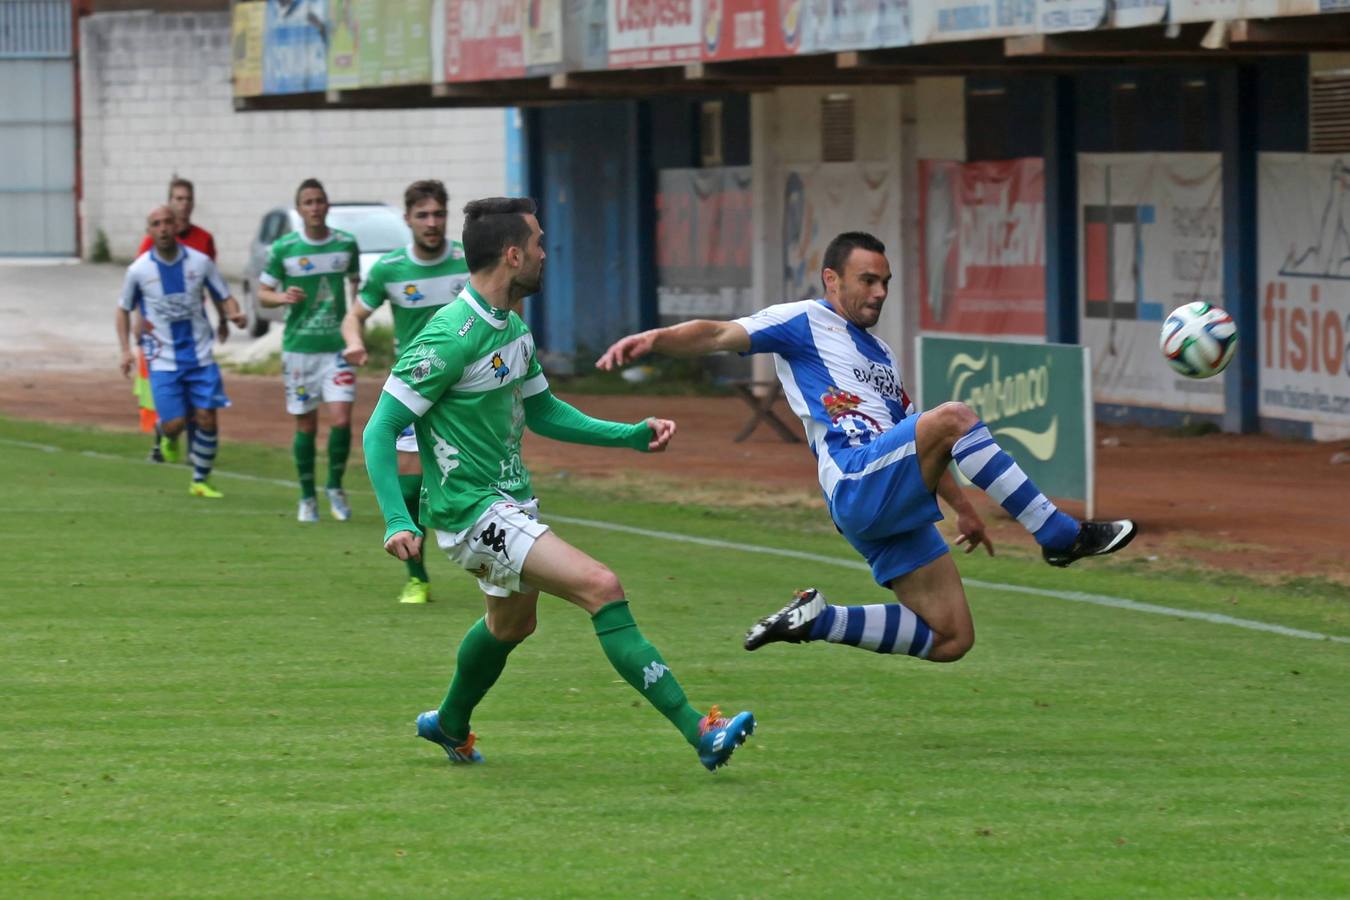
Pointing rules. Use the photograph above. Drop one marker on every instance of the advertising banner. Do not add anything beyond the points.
(963, 20)
(543, 35)
(1304, 271)
(703, 243)
(1150, 239)
(1137, 13)
(406, 39)
(1035, 398)
(353, 24)
(824, 199)
(1210, 10)
(1069, 15)
(585, 34)
(246, 47)
(740, 29)
(484, 40)
(295, 46)
(654, 33)
(834, 25)
(982, 242)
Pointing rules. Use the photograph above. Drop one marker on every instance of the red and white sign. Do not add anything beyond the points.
(982, 247)
(742, 29)
(483, 40)
(654, 33)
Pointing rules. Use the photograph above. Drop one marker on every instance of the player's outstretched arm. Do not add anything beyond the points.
(402, 537)
(550, 417)
(697, 337)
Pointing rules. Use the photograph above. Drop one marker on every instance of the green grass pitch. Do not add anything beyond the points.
(208, 700)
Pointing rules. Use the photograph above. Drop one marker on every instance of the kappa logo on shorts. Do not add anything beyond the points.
(494, 539)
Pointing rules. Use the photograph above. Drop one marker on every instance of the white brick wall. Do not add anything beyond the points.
(156, 101)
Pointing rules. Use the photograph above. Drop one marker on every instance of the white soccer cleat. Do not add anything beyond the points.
(338, 505)
(309, 510)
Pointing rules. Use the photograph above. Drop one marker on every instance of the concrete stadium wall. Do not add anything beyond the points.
(156, 101)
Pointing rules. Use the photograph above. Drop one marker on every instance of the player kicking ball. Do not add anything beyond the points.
(881, 463)
(470, 383)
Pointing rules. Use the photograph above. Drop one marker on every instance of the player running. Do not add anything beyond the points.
(880, 462)
(308, 271)
(469, 384)
(417, 280)
(165, 286)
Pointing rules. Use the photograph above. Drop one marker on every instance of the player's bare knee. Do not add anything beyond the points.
(600, 586)
(951, 648)
(957, 418)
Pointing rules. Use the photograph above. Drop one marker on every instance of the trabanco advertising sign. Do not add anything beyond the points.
(1036, 399)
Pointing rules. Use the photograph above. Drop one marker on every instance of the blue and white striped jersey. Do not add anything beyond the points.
(168, 296)
(843, 383)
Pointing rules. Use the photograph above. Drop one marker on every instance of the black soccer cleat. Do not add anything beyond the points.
(791, 624)
(1094, 539)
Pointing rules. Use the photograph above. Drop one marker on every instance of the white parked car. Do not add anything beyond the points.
(378, 228)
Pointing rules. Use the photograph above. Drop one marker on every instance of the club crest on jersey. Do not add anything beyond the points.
(499, 368)
(305, 263)
(412, 294)
(843, 408)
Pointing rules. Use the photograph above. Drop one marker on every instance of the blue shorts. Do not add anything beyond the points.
(178, 393)
(888, 515)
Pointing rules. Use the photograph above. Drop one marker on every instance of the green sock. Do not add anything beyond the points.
(480, 660)
(339, 448)
(411, 485)
(633, 657)
(303, 449)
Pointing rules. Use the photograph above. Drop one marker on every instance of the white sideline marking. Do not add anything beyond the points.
(1071, 596)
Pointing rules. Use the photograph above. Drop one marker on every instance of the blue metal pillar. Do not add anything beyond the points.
(1238, 139)
(1061, 211)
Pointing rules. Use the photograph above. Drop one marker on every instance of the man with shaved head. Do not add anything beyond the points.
(165, 287)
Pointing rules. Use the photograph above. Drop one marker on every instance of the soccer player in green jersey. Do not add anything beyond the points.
(307, 271)
(469, 383)
(417, 280)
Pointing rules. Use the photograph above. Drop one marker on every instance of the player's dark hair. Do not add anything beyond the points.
(839, 249)
(491, 226)
(306, 185)
(428, 189)
(177, 182)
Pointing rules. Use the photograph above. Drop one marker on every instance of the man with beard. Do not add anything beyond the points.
(881, 462)
(469, 383)
(417, 280)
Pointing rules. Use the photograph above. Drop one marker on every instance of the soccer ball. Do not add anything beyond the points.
(1199, 340)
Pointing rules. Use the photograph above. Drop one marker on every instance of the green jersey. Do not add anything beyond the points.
(466, 376)
(315, 324)
(415, 289)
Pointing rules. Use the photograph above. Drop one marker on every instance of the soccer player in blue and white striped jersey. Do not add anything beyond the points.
(165, 284)
(881, 463)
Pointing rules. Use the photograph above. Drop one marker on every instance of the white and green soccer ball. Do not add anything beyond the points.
(1199, 339)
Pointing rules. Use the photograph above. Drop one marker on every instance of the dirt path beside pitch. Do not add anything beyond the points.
(1247, 503)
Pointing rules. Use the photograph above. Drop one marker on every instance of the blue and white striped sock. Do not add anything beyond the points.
(202, 453)
(879, 627)
(993, 471)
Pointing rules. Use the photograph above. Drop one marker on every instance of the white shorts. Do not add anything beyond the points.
(312, 378)
(494, 549)
(407, 441)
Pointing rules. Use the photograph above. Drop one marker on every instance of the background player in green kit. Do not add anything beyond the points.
(308, 271)
(470, 383)
(417, 280)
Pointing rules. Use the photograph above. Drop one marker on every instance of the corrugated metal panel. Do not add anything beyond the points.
(1329, 108)
(35, 29)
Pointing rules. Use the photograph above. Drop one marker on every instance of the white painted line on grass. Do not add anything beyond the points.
(1070, 596)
